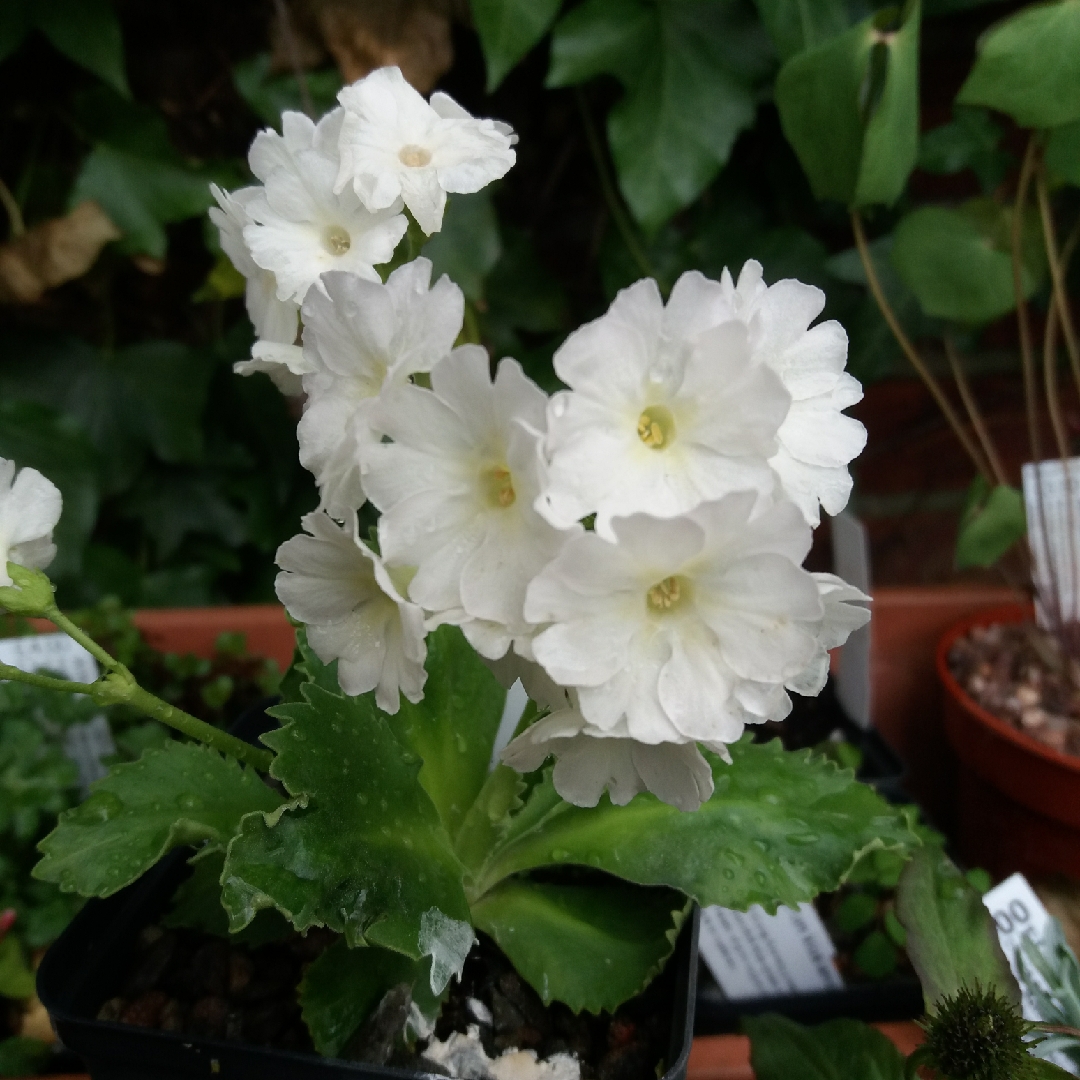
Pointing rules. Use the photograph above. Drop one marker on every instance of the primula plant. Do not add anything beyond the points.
(630, 548)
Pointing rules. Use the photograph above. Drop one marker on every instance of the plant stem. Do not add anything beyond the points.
(611, 197)
(58, 618)
(972, 407)
(1057, 276)
(909, 350)
(13, 211)
(1027, 359)
(43, 682)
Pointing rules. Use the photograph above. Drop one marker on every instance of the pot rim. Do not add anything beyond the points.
(1006, 613)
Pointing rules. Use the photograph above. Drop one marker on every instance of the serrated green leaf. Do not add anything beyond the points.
(849, 108)
(795, 25)
(600, 37)
(468, 246)
(951, 940)
(592, 947)
(958, 262)
(779, 828)
(781, 1049)
(508, 29)
(182, 794)
(307, 667)
(361, 849)
(88, 32)
(341, 988)
(16, 978)
(15, 24)
(452, 730)
(993, 521)
(270, 95)
(1027, 67)
(1063, 153)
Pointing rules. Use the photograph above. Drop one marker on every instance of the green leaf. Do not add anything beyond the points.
(386, 873)
(15, 23)
(781, 1049)
(993, 521)
(182, 794)
(969, 141)
(779, 829)
(16, 978)
(20, 1056)
(37, 780)
(88, 32)
(795, 25)
(876, 955)
(342, 987)
(951, 939)
(468, 246)
(1027, 68)
(1063, 153)
(488, 818)
(452, 730)
(849, 108)
(855, 911)
(271, 95)
(508, 29)
(957, 262)
(601, 37)
(1039, 1069)
(592, 947)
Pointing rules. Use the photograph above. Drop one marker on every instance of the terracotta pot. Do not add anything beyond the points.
(1019, 799)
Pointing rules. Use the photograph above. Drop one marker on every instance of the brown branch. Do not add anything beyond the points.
(974, 415)
(910, 351)
(13, 211)
(1027, 358)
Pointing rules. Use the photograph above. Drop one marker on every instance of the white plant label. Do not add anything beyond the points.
(755, 955)
(1052, 505)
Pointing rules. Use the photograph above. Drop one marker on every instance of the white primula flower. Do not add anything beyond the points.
(844, 613)
(456, 490)
(360, 336)
(588, 761)
(817, 442)
(666, 410)
(685, 628)
(298, 227)
(354, 612)
(395, 145)
(30, 507)
(276, 321)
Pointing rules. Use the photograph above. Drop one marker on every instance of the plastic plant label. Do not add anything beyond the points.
(755, 955)
(1052, 505)
(57, 652)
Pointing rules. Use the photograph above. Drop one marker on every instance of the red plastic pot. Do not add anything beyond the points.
(1019, 800)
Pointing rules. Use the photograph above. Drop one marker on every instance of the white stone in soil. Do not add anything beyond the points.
(465, 1058)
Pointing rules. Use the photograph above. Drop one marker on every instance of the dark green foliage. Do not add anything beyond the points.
(781, 1049)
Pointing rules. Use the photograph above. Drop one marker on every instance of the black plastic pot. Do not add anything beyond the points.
(88, 963)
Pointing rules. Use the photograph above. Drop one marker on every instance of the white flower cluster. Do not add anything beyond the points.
(630, 547)
(29, 510)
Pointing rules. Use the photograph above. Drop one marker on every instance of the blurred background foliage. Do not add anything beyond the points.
(651, 143)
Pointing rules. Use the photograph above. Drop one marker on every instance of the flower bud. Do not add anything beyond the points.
(31, 594)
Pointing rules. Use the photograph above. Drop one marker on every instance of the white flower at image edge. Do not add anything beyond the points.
(395, 145)
(456, 488)
(666, 409)
(30, 506)
(686, 628)
(298, 227)
(354, 613)
(587, 764)
(360, 336)
(816, 441)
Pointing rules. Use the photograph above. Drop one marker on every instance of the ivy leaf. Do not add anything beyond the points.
(386, 874)
(794, 26)
(508, 29)
(601, 37)
(342, 987)
(969, 141)
(781, 1049)
(958, 262)
(779, 829)
(1063, 153)
(1026, 66)
(88, 32)
(270, 95)
(850, 109)
(468, 246)
(993, 521)
(592, 947)
(951, 939)
(452, 730)
(182, 794)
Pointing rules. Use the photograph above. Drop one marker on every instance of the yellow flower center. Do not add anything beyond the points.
(656, 427)
(498, 486)
(337, 240)
(415, 157)
(665, 596)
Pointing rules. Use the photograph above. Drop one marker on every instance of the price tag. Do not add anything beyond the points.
(753, 955)
(1016, 911)
(57, 652)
